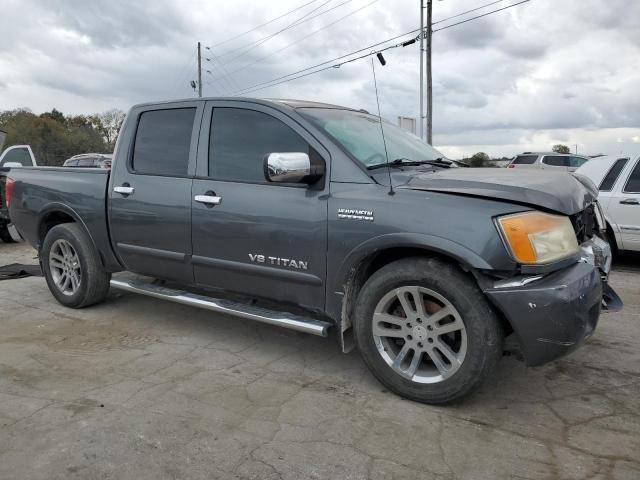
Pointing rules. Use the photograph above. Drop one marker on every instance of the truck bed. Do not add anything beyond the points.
(80, 193)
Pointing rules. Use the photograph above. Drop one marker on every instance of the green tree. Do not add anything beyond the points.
(108, 124)
(559, 148)
(480, 159)
(53, 136)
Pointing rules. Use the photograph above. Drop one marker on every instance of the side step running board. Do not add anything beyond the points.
(145, 286)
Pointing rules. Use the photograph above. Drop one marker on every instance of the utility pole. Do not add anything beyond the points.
(422, 69)
(429, 78)
(199, 71)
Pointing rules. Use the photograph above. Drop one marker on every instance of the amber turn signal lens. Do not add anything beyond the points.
(538, 238)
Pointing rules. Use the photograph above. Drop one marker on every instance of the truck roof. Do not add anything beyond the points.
(292, 103)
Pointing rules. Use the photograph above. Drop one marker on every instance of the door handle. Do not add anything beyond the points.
(630, 201)
(124, 190)
(209, 200)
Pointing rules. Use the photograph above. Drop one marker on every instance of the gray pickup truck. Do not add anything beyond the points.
(303, 215)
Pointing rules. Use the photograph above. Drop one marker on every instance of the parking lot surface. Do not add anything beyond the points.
(143, 389)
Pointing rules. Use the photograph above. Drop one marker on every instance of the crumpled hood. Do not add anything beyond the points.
(562, 192)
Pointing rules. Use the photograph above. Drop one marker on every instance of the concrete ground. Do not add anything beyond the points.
(142, 389)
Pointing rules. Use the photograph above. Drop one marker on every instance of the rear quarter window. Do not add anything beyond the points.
(612, 175)
(556, 161)
(524, 160)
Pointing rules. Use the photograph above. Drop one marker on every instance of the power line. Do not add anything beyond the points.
(185, 73)
(483, 15)
(284, 78)
(467, 12)
(335, 65)
(226, 76)
(262, 24)
(248, 46)
(299, 40)
(301, 20)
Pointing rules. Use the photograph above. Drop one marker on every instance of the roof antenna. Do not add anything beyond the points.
(375, 84)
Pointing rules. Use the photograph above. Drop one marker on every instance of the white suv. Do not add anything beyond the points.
(548, 160)
(618, 180)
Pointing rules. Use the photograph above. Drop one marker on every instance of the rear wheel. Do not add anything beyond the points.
(72, 267)
(426, 331)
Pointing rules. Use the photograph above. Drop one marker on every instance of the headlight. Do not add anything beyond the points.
(538, 238)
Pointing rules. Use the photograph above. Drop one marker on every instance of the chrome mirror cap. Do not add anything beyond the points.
(290, 167)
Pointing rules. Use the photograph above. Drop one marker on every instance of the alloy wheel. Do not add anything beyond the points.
(65, 268)
(419, 334)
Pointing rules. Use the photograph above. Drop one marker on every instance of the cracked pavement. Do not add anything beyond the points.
(143, 389)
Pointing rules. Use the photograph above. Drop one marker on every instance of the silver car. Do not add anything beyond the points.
(548, 160)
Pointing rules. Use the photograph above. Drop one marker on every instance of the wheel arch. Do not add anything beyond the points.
(57, 214)
(368, 257)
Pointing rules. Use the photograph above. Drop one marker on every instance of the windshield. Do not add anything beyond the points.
(359, 134)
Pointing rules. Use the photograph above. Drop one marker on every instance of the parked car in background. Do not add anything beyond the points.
(18, 155)
(14, 156)
(618, 180)
(90, 160)
(548, 161)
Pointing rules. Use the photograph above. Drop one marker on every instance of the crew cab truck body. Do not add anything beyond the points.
(290, 213)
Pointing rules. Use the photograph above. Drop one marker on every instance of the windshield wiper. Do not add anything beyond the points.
(400, 162)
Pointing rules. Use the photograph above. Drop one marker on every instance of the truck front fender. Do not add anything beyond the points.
(428, 243)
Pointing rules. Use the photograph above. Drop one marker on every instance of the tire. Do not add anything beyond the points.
(5, 236)
(473, 344)
(82, 263)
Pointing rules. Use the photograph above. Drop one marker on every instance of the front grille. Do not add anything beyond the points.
(585, 223)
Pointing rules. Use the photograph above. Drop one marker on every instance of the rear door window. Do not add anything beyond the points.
(612, 175)
(556, 161)
(633, 184)
(525, 160)
(163, 140)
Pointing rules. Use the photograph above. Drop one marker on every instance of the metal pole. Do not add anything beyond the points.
(422, 69)
(429, 78)
(199, 72)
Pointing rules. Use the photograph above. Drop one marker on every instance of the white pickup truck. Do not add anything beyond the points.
(18, 156)
(14, 156)
(618, 180)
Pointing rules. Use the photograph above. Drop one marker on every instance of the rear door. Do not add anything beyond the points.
(262, 239)
(624, 207)
(150, 197)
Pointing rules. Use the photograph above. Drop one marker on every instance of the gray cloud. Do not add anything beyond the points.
(538, 73)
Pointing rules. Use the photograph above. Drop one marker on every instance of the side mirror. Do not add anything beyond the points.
(12, 164)
(293, 167)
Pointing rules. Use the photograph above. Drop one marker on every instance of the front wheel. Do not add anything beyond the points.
(426, 331)
(72, 267)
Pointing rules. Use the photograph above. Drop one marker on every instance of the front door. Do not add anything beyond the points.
(624, 208)
(150, 191)
(250, 236)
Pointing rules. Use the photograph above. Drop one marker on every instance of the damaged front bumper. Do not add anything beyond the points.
(553, 314)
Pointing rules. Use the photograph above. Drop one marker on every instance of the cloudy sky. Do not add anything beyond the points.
(541, 73)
